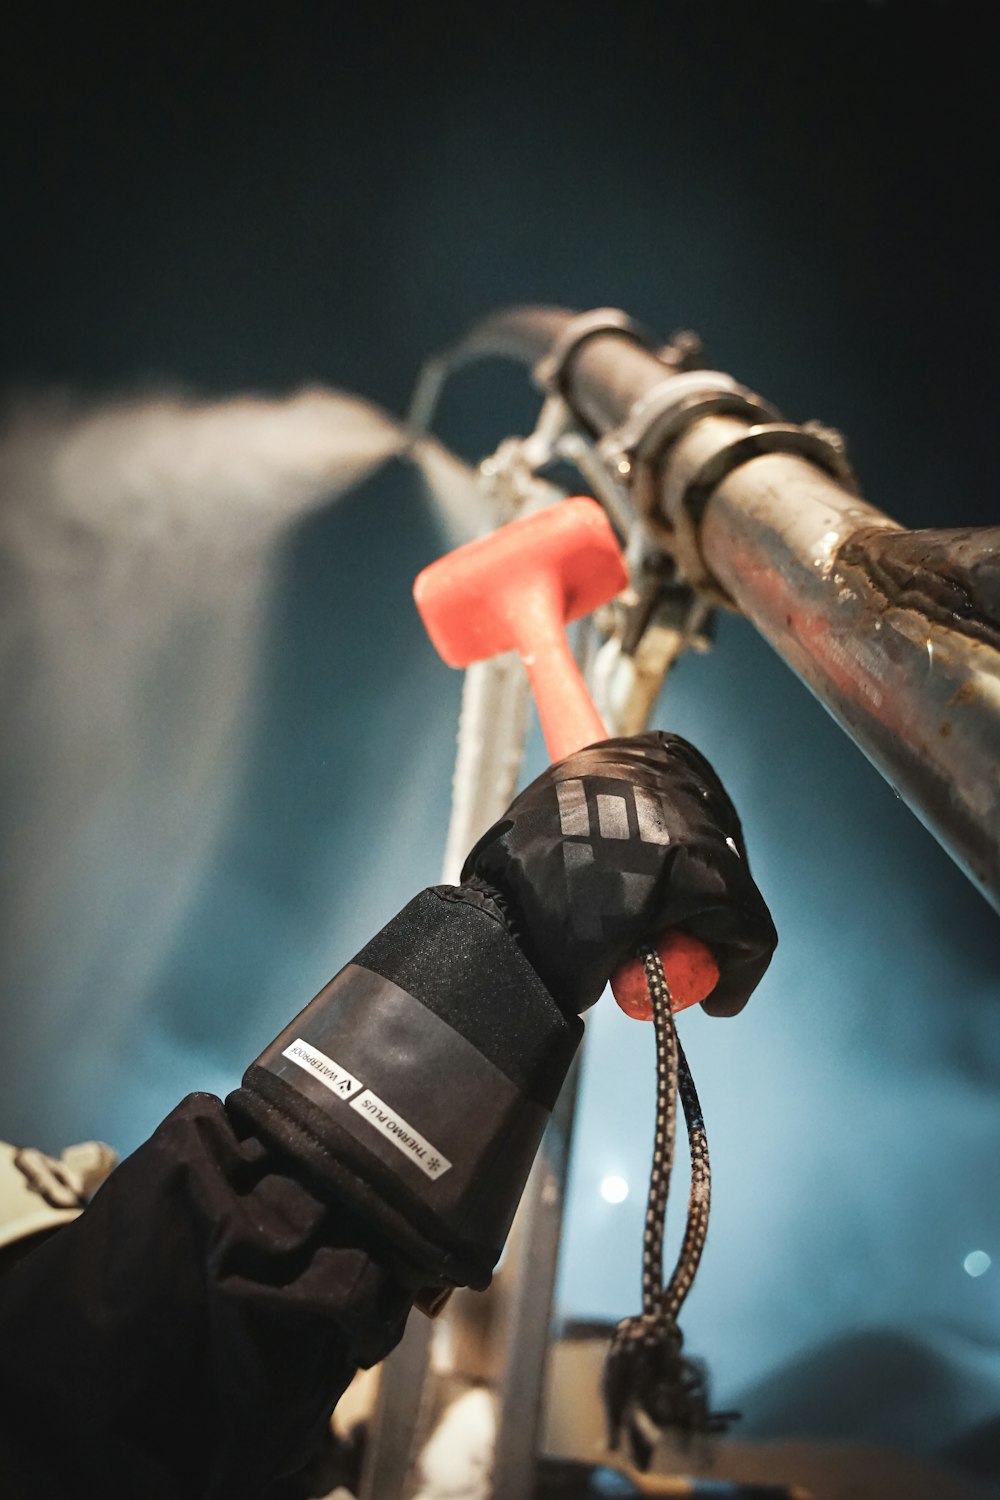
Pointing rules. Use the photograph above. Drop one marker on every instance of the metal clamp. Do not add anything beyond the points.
(685, 507)
(634, 452)
(550, 372)
(664, 413)
(821, 446)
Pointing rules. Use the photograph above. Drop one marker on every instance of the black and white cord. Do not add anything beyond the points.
(648, 1381)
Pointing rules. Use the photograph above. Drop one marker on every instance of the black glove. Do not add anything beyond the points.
(417, 1085)
(614, 846)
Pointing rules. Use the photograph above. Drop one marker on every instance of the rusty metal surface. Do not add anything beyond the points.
(903, 653)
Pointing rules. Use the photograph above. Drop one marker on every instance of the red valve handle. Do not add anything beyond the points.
(515, 590)
(691, 973)
(569, 722)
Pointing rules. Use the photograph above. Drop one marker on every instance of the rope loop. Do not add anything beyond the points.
(648, 1380)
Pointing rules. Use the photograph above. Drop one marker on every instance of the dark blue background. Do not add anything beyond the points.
(254, 198)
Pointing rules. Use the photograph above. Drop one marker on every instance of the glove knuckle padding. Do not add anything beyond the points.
(612, 847)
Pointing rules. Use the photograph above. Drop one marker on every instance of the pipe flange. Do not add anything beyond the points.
(550, 372)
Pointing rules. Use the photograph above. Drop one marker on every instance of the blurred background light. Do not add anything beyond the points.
(614, 1189)
(977, 1262)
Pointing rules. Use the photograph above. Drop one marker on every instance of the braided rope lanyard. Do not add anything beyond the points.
(648, 1381)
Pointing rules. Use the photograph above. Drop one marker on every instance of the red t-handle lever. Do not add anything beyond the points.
(515, 590)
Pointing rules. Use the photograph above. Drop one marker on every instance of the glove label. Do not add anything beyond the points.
(396, 1130)
(411, 1089)
(329, 1073)
(375, 1110)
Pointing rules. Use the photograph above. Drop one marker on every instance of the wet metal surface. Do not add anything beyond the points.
(897, 640)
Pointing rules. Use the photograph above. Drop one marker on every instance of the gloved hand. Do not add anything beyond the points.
(416, 1086)
(611, 848)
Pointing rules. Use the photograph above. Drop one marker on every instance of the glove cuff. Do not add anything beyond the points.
(418, 1083)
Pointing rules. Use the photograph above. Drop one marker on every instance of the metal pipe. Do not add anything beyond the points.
(917, 687)
(526, 1332)
(606, 376)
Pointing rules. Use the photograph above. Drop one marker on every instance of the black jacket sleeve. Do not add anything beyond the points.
(190, 1334)
(188, 1337)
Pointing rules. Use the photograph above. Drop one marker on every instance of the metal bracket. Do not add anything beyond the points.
(645, 631)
